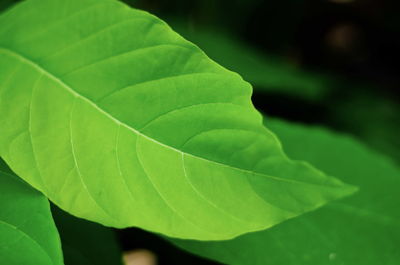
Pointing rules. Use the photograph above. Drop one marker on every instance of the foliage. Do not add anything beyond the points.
(364, 228)
(117, 119)
(27, 231)
(29, 234)
(71, 132)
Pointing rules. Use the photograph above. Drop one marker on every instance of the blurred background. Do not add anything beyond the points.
(332, 63)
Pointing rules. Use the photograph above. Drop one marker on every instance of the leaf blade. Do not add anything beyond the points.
(28, 234)
(112, 117)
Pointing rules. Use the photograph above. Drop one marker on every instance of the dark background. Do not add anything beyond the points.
(354, 42)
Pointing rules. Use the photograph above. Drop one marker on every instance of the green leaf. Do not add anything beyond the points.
(119, 120)
(266, 72)
(28, 235)
(362, 229)
(373, 118)
(85, 242)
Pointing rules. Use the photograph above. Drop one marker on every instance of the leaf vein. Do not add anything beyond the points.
(205, 199)
(76, 162)
(94, 105)
(23, 234)
(162, 196)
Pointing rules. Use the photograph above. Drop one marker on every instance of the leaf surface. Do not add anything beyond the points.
(362, 229)
(119, 120)
(27, 232)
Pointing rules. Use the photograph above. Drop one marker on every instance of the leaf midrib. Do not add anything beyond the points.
(25, 59)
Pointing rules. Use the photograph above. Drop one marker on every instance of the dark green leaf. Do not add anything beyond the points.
(362, 229)
(28, 235)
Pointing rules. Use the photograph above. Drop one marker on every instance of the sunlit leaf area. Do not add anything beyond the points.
(151, 132)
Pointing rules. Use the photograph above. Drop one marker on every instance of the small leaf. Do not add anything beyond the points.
(362, 229)
(28, 235)
(119, 120)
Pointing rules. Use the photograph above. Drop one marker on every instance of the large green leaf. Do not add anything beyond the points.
(363, 229)
(28, 235)
(119, 120)
(86, 243)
